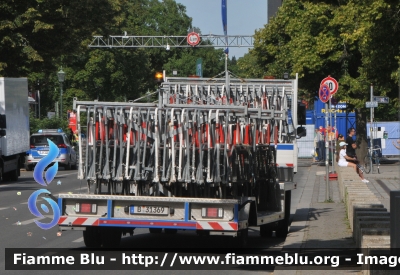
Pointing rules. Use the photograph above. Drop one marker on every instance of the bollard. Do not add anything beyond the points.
(394, 223)
(394, 219)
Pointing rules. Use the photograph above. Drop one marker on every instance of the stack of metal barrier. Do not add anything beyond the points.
(199, 140)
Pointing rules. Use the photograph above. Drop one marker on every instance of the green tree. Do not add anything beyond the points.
(47, 123)
(36, 33)
(248, 66)
(39, 37)
(343, 39)
(184, 60)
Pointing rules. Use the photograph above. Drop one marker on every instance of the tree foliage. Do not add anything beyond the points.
(47, 123)
(352, 40)
(347, 40)
(39, 37)
(213, 61)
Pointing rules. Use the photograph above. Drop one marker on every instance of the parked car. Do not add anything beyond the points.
(40, 148)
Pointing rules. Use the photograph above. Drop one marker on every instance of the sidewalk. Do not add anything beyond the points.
(317, 223)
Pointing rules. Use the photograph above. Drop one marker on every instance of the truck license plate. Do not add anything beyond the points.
(148, 210)
(43, 152)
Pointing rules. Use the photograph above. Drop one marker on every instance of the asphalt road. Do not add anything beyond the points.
(18, 229)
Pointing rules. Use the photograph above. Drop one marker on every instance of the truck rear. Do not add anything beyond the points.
(14, 126)
(206, 157)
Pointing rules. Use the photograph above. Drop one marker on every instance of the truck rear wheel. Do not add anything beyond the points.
(265, 231)
(242, 238)
(111, 237)
(11, 176)
(155, 230)
(283, 225)
(92, 237)
(14, 175)
(170, 231)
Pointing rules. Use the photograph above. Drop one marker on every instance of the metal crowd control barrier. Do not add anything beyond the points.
(200, 140)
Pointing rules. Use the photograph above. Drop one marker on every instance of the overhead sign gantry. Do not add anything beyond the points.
(131, 41)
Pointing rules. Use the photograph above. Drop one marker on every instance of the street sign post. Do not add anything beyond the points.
(331, 83)
(381, 99)
(371, 104)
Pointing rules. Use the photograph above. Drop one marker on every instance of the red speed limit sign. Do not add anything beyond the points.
(193, 39)
(331, 83)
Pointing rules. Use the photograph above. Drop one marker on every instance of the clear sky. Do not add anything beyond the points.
(244, 17)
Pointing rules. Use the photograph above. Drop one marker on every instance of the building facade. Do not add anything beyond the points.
(273, 6)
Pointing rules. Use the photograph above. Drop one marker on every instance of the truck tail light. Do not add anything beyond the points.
(32, 146)
(86, 208)
(212, 212)
(62, 145)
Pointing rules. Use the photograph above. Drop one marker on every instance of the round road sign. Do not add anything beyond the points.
(324, 93)
(193, 39)
(331, 83)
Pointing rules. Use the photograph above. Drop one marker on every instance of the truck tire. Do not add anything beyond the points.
(155, 230)
(283, 225)
(242, 238)
(170, 231)
(14, 175)
(111, 237)
(11, 176)
(266, 231)
(92, 237)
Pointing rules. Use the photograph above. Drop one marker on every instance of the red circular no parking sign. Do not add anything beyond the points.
(193, 39)
(331, 83)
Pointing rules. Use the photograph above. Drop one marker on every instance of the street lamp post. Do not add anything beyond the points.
(61, 79)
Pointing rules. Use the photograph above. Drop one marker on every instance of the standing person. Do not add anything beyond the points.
(316, 144)
(344, 160)
(71, 135)
(321, 144)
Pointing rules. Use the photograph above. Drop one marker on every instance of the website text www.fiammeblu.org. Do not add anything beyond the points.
(170, 260)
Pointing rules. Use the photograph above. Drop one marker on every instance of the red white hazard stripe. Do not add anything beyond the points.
(74, 221)
(285, 164)
(225, 226)
(199, 225)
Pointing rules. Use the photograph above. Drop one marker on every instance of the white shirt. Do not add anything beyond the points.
(342, 161)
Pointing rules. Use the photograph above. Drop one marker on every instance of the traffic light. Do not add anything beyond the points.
(159, 77)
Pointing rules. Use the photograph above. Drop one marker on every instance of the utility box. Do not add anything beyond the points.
(14, 111)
